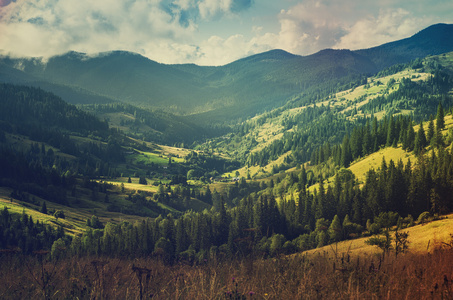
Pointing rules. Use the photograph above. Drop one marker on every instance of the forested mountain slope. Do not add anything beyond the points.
(239, 89)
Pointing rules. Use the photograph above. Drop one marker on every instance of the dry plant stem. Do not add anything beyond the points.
(45, 278)
(409, 276)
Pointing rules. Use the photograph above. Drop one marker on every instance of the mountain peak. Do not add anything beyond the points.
(271, 55)
(433, 40)
(435, 28)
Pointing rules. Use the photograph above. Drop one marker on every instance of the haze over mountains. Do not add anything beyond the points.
(240, 89)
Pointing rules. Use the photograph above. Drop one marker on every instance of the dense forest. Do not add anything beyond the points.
(395, 194)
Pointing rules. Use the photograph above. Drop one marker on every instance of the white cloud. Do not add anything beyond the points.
(389, 25)
(175, 31)
(210, 8)
(50, 27)
(313, 25)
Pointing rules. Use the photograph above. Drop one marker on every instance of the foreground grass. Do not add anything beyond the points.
(410, 276)
(348, 270)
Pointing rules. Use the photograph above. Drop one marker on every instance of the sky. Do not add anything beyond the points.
(209, 32)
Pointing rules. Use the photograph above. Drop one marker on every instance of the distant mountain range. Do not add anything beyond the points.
(240, 89)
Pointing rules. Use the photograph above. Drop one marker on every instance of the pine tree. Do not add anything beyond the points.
(303, 177)
(366, 146)
(346, 156)
(208, 196)
(357, 208)
(420, 140)
(438, 139)
(44, 207)
(410, 139)
(440, 117)
(430, 132)
(390, 133)
(181, 237)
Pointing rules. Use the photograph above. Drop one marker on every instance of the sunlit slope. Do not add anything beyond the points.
(422, 238)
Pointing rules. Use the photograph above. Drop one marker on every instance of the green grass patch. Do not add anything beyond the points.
(147, 158)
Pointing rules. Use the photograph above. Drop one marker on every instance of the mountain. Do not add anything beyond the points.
(434, 40)
(215, 94)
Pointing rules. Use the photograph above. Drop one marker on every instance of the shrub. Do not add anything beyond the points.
(423, 217)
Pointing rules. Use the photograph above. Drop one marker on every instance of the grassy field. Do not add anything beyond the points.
(73, 223)
(376, 89)
(422, 239)
(147, 158)
(374, 161)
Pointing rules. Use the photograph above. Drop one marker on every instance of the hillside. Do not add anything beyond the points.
(423, 238)
(51, 151)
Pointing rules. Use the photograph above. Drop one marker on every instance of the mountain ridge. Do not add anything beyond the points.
(239, 89)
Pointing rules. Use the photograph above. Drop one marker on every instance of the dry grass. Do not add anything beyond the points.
(349, 270)
(422, 239)
(410, 276)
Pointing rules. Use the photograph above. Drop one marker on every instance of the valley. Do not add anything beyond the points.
(270, 161)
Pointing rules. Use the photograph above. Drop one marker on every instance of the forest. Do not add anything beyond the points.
(247, 218)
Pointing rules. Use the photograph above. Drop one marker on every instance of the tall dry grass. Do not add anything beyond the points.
(320, 276)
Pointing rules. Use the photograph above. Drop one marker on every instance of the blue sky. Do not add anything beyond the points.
(209, 32)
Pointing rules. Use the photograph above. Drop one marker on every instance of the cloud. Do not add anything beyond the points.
(50, 27)
(176, 31)
(313, 25)
(389, 25)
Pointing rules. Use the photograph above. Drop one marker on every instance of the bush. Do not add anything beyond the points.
(58, 249)
(59, 214)
(423, 217)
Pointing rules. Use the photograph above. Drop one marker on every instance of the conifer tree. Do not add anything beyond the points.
(438, 139)
(390, 133)
(44, 207)
(208, 196)
(357, 208)
(410, 139)
(366, 146)
(303, 177)
(346, 156)
(430, 132)
(440, 117)
(420, 140)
